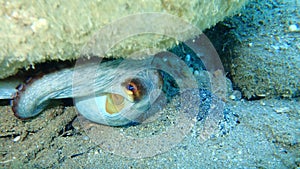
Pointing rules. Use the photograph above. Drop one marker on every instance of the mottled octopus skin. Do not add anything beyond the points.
(86, 82)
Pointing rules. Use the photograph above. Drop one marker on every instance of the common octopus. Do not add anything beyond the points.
(113, 93)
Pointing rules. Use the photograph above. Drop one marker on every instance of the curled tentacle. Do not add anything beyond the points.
(116, 86)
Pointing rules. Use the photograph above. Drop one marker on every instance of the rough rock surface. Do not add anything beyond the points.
(37, 31)
(260, 49)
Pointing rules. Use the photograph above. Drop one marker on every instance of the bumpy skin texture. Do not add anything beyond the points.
(38, 31)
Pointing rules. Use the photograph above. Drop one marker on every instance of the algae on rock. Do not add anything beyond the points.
(37, 31)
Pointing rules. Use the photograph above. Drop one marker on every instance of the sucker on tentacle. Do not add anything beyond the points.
(102, 93)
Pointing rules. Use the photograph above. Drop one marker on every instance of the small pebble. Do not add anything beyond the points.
(86, 138)
(275, 47)
(282, 109)
(16, 139)
(188, 58)
(232, 97)
(261, 95)
(293, 28)
(236, 95)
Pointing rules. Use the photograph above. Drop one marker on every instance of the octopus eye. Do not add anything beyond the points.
(134, 89)
(131, 87)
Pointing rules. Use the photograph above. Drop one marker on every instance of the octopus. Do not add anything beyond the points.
(113, 93)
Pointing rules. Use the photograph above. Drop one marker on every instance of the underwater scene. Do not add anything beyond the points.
(150, 84)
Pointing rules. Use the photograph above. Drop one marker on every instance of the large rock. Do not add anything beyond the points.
(37, 31)
(260, 49)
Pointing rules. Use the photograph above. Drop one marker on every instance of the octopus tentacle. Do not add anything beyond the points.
(127, 79)
(33, 95)
(15, 98)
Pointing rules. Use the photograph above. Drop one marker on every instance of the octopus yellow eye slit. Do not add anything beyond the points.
(114, 103)
(129, 92)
